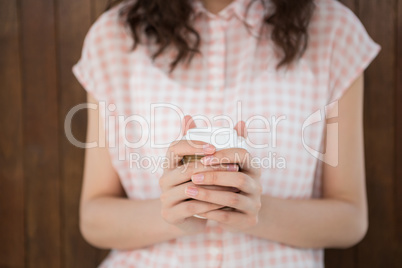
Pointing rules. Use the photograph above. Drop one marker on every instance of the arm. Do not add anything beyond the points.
(107, 218)
(339, 219)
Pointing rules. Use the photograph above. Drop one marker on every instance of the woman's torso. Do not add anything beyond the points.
(234, 78)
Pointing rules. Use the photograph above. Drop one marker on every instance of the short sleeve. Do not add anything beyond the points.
(352, 51)
(86, 69)
(105, 48)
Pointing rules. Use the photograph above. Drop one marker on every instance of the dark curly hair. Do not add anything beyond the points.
(169, 22)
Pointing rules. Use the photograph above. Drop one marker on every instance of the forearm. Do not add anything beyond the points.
(111, 222)
(314, 223)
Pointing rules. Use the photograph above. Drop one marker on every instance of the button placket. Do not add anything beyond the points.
(216, 65)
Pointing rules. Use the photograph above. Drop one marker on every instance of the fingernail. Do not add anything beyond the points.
(207, 159)
(208, 148)
(233, 167)
(191, 191)
(197, 178)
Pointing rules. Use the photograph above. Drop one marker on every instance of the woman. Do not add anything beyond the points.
(291, 72)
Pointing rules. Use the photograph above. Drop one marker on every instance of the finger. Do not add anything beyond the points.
(241, 129)
(175, 195)
(184, 172)
(230, 218)
(229, 199)
(192, 207)
(220, 188)
(238, 180)
(180, 148)
(173, 158)
(239, 156)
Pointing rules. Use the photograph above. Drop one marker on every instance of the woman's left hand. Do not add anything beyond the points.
(246, 202)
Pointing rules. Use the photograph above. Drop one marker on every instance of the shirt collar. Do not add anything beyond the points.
(252, 17)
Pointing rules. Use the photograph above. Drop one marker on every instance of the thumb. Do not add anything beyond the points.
(188, 123)
(241, 129)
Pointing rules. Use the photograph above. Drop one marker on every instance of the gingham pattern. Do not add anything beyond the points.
(235, 69)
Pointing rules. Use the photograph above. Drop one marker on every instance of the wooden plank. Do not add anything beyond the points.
(98, 6)
(11, 172)
(41, 128)
(74, 22)
(345, 258)
(379, 247)
(352, 4)
(398, 136)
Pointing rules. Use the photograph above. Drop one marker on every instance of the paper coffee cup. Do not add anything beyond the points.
(220, 137)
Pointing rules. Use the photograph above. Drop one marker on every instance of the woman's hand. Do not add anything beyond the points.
(176, 208)
(247, 202)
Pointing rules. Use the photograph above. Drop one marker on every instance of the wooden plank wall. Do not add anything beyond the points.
(40, 171)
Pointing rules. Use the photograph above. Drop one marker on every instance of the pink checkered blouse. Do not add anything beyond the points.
(234, 78)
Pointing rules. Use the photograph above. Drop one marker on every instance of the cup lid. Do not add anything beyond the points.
(220, 137)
